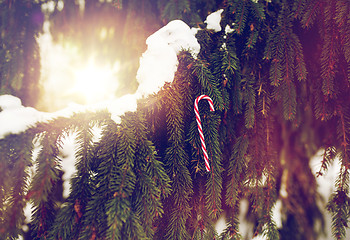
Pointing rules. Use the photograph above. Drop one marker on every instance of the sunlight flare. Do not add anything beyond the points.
(69, 77)
(94, 83)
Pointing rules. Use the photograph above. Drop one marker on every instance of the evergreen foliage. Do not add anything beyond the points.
(280, 86)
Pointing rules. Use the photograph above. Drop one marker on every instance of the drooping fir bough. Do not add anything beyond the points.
(278, 73)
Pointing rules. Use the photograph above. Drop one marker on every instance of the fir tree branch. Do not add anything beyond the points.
(298, 7)
(241, 13)
(338, 205)
(270, 230)
(300, 66)
(208, 83)
(328, 157)
(152, 184)
(46, 177)
(214, 182)
(237, 170)
(71, 217)
(123, 180)
(342, 134)
(95, 220)
(330, 51)
(176, 161)
(17, 152)
(311, 9)
(257, 9)
(249, 99)
(231, 231)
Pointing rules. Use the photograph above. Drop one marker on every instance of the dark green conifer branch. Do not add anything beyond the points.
(208, 83)
(342, 19)
(69, 218)
(230, 62)
(176, 162)
(309, 9)
(287, 91)
(234, 193)
(16, 153)
(187, 84)
(324, 108)
(338, 205)
(343, 134)
(119, 207)
(330, 50)
(252, 37)
(44, 181)
(298, 7)
(230, 72)
(237, 170)
(72, 212)
(284, 50)
(214, 182)
(235, 95)
(200, 223)
(248, 92)
(95, 220)
(270, 230)
(231, 232)
(240, 11)
(257, 10)
(192, 12)
(246, 13)
(328, 157)
(264, 101)
(261, 173)
(152, 184)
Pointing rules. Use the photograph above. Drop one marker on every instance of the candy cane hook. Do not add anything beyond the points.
(200, 130)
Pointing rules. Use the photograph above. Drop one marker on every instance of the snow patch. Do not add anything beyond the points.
(159, 63)
(15, 118)
(67, 157)
(228, 30)
(213, 20)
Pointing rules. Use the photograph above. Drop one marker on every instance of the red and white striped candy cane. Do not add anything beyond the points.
(200, 130)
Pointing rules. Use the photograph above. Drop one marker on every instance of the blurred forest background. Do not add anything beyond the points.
(108, 30)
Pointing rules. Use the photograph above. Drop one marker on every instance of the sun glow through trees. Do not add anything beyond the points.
(69, 77)
(95, 83)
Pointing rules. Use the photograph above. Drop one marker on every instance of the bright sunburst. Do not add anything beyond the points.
(67, 77)
(95, 83)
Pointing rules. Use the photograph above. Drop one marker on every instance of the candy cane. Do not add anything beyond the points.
(200, 130)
